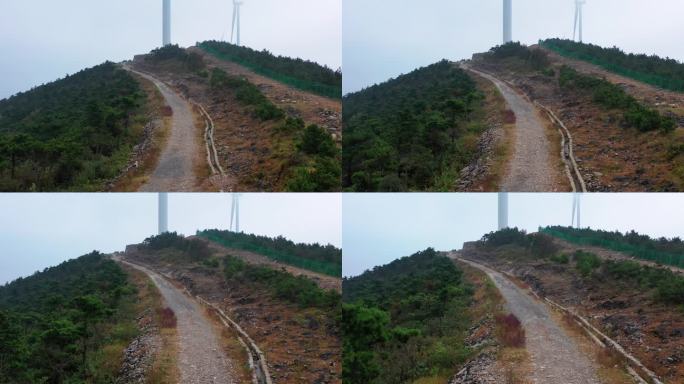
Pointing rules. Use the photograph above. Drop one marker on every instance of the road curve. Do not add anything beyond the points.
(201, 359)
(531, 168)
(175, 170)
(555, 356)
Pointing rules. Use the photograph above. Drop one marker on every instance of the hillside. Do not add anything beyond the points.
(662, 72)
(302, 74)
(76, 133)
(257, 141)
(416, 320)
(415, 132)
(626, 134)
(68, 323)
(315, 257)
(661, 251)
(292, 320)
(622, 301)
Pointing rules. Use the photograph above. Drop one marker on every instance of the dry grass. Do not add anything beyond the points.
(609, 366)
(235, 351)
(513, 362)
(156, 110)
(554, 138)
(511, 332)
(497, 113)
(164, 369)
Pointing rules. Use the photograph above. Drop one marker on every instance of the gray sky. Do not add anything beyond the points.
(43, 40)
(379, 228)
(42, 230)
(382, 39)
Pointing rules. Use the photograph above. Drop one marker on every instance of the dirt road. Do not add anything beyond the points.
(555, 357)
(201, 359)
(531, 168)
(175, 170)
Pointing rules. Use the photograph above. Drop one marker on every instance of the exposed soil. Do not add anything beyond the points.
(323, 281)
(175, 171)
(201, 357)
(629, 314)
(254, 154)
(555, 357)
(313, 109)
(301, 345)
(610, 156)
(484, 173)
(533, 167)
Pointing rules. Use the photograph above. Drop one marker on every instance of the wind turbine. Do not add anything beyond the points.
(163, 211)
(235, 213)
(578, 19)
(507, 21)
(576, 200)
(236, 21)
(166, 22)
(503, 210)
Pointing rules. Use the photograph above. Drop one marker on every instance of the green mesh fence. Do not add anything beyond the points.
(659, 81)
(676, 260)
(334, 92)
(323, 267)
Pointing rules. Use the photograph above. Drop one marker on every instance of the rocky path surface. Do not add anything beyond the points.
(556, 358)
(531, 167)
(175, 170)
(201, 359)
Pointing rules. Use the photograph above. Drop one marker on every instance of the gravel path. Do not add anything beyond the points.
(531, 168)
(175, 170)
(201, 359)
(555, 356)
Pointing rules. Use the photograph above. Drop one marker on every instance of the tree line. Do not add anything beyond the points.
(405, 321)
(72, 134)
(661, 250)
(302, 74)
(415, 132)
(326, 259)
(604, 93)
(663, 285)
(665, 73)
(55, 324)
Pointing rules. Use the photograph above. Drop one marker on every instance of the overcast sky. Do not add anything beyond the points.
(42, 230)
(42, 40)
(383, 39)
(379, 228)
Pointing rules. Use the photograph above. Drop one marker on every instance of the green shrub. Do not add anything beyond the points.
(282, 285)
(612, 96)
(560, 258)
(586, 262)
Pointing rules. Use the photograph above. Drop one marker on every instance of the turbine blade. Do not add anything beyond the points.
(574, 25)
(232, 29)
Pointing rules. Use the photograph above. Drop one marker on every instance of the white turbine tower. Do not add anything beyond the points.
(236, 21)
(166, 23)
(235, 213)
(503, 210)
(576, 200)
(163, 211)
(578, 19)
(507, 21)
